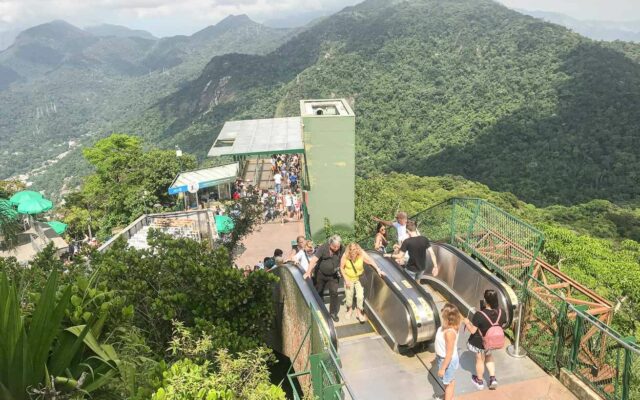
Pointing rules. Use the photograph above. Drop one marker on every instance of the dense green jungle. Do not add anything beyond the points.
(457, 98)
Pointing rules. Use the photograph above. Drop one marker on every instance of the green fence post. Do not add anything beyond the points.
(316, 376)
(331, 392)
(626, 372)
(577, 335)
(472, 224)
(452, 224)
(554, 356)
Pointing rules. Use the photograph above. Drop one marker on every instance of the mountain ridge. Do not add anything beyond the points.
(119, 31)
(83, 89)
(433, 83)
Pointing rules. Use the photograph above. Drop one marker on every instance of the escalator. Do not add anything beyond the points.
(392, 354)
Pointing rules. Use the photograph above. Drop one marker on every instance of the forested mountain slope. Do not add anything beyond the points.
(456, 87)
(118, 31)
(591, 242)
(62, 83)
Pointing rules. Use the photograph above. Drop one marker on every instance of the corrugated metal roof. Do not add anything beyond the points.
(204, 178)
(259, 136)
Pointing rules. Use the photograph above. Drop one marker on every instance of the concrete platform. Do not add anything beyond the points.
(265, 239)
(374, 371)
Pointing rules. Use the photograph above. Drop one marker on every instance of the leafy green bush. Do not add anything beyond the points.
(195, 377)
(185, 280)
(45, 358)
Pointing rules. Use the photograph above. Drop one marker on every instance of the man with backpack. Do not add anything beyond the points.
(327, 257)
(487, 335)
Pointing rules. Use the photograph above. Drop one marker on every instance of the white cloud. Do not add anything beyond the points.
(169, 17)
(613, 10)
(165, 17)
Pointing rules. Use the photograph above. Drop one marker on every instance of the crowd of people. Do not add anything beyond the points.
(332, 263)
(283, 201)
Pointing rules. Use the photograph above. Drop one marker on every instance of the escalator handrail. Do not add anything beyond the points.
(402, 298)
(312, 297)
(418, 288)
(483, 270)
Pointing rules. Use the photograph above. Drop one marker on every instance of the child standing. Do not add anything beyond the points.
(446, 345)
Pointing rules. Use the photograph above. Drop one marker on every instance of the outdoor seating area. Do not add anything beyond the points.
(24, 230)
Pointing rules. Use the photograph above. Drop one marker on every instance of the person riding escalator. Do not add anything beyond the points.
(328, 257)
(352, 268)
(417, 246)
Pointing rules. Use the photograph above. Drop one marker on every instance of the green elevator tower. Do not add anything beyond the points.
(328, 128)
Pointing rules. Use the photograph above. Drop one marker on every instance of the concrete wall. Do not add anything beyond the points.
(330, 159)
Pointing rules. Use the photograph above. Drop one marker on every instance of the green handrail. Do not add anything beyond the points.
(327, 378)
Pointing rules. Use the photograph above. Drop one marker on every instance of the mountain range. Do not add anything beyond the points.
(597, 30)
(61, 84)
(462, 87)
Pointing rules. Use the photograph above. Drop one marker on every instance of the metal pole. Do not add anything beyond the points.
(515, 350)
(626, 372)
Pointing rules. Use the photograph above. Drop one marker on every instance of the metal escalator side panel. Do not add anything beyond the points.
(397, 305)
(296, 299)
(463, 280)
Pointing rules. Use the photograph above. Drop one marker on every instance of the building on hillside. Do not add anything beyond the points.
(205, 186)
(324, 136)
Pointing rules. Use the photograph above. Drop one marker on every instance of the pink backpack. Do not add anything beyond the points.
(494, 338)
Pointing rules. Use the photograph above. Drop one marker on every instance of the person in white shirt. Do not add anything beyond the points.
(289, 204)
(400, 224)
(277, 178)
(303, 256)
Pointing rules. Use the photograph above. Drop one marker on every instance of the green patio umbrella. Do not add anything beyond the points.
(23, 196)
(7, 209)
(224, 224)
(57, 226)
(34, 206)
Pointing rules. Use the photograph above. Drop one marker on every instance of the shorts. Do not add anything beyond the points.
(476, 350)
(291, 209)
(449, 373)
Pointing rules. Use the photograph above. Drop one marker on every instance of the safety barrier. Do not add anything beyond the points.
(322, 366)
(556, 331)
(307, 225)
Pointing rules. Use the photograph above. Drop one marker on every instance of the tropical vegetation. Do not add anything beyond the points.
(591, 242)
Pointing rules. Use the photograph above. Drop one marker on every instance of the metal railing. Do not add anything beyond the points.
(201, 219)
(555, 333)
(322, 367)
(307, 225)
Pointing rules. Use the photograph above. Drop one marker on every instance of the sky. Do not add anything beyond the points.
(171, 17)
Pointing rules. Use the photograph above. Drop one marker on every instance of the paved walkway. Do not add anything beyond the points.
(266, 238)
(543, 388)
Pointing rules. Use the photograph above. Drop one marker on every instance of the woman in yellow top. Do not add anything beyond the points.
(352, 268)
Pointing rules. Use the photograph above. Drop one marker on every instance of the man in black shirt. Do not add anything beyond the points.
(417, 246)
(328, 258)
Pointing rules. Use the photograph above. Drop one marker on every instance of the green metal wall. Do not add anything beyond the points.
(330, 156)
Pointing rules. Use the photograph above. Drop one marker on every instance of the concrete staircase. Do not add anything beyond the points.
(257, 172)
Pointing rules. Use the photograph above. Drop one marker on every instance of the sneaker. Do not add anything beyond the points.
(335, 317)
(361, 317)
(493, 383)
(479, 383)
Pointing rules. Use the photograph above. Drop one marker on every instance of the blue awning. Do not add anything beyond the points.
(204, 178)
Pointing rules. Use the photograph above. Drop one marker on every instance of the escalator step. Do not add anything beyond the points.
(345, 331)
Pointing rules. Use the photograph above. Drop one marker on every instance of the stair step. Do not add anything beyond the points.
(354, 329)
